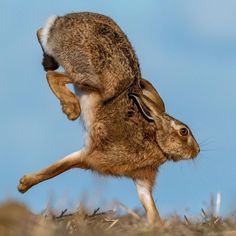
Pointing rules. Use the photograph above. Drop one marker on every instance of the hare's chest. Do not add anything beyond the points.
(89, 105)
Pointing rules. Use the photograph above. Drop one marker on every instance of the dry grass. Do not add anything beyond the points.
(16, 219)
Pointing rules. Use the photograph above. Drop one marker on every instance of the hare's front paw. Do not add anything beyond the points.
(72, 110)
(25, 184)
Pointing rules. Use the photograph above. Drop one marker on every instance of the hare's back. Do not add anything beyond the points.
(93, 43)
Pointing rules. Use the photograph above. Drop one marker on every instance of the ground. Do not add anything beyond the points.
(16, 219)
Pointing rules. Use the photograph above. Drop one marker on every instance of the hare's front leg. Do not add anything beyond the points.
(76, 159)
(144, 189)
(69, 101)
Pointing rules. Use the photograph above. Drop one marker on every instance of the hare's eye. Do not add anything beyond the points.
(183, 131)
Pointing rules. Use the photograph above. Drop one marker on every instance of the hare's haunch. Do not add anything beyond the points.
(128, 132)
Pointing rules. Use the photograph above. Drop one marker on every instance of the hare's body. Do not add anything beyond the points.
(128, 132)
(124, 142)
(98, 57)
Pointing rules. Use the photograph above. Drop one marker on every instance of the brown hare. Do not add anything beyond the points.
(128, 132)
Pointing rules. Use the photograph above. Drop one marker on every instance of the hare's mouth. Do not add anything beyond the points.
(170, 157)
(175, 158)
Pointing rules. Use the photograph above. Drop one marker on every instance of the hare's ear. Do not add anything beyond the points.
(140, 102)
(150, 92)
(148, 108)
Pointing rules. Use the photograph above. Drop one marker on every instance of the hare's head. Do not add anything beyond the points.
(174, 138)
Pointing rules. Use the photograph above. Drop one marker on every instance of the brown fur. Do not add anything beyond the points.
(69, 101)
(94, 52)
(99, 60)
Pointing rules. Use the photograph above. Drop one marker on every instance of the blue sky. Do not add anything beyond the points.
(187, 49)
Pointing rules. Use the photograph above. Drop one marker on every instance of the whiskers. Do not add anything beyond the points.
(205, 144)
(208, 150)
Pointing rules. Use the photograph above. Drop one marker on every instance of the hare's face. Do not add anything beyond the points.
(176, 140)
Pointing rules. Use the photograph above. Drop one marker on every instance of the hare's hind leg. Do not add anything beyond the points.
(69, 101)
(144, 189)
(76, 159)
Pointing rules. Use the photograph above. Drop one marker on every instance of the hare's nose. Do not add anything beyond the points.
(198, 149)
